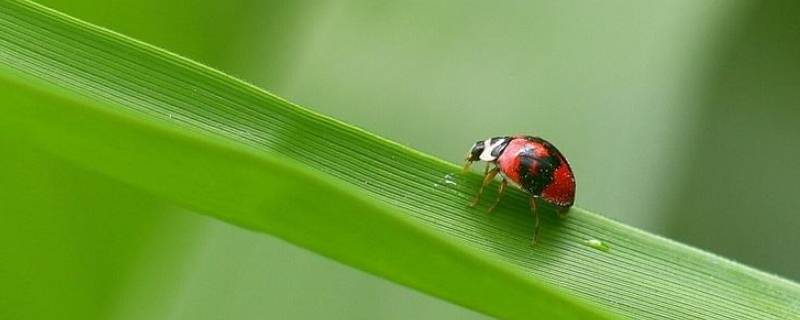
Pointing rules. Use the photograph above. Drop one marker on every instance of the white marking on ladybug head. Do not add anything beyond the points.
(489, 146)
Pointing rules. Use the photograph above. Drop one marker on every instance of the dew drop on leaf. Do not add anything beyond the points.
(597, 244)
(450, 179)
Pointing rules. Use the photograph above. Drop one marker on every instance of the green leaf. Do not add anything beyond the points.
(213, 144)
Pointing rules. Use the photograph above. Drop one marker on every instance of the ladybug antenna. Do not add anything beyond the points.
(467, 164)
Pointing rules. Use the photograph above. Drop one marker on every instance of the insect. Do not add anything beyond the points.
(529, 163)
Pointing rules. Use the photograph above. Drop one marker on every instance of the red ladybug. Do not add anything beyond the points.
(531, 164)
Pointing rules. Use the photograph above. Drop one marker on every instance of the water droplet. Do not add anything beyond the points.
(450, 179)
(597, 244)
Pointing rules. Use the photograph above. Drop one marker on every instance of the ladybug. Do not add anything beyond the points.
(531, 164)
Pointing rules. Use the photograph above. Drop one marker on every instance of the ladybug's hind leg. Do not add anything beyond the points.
(562, 212)
(487, 179)
(499, 194)
(535, 221)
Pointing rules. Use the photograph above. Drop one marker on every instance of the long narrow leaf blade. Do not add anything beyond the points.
(214, 144)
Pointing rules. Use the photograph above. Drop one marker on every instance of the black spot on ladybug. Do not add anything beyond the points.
(536, 173)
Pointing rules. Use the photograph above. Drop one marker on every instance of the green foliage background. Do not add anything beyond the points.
(659, 106)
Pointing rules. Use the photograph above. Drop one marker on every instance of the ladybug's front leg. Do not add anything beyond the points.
(487, 179)
(499, 194)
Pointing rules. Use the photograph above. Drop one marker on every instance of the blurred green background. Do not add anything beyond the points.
(678, 117)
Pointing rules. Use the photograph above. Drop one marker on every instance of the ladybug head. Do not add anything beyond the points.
(476, 150)
(486, 150)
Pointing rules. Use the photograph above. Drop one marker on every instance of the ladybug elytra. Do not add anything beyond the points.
(529, 163)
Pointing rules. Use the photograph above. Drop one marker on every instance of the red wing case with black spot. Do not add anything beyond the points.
(538, 168)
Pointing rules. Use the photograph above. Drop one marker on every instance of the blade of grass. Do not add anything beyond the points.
(221, 147)
(255, 190)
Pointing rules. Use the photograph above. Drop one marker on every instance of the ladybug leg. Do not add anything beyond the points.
(467, 164)
(499, 194)
(487, 179)
(535, 223)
